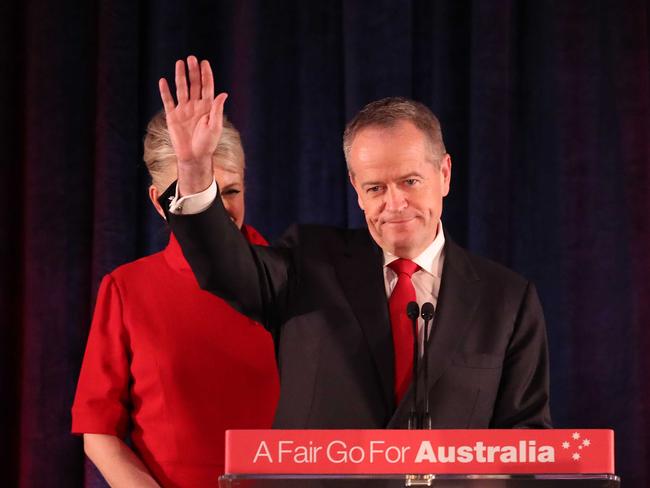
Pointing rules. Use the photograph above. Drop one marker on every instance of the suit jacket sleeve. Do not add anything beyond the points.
(252, 279)
(523, 399)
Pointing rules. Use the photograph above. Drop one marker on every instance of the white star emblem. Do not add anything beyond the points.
(579, 447)
(575, 456)
(575, 436)
(586, 442)
(565, 445)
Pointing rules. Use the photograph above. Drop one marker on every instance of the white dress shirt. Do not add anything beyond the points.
(193, 204)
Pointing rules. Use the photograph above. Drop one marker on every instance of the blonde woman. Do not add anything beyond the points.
(167, 364)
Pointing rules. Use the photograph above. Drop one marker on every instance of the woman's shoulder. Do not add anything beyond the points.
(253, 236)
(144, 268)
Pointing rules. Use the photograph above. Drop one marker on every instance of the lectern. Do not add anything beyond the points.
(439, 458)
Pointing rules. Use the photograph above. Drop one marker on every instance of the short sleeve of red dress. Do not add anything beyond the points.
(101, 401)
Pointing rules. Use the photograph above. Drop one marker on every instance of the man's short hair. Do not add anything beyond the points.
(160, 158)
(389, 111)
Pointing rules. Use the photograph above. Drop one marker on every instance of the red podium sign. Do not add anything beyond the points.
(307, 452)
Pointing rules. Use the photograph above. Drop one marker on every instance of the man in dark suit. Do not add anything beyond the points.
(335, 299)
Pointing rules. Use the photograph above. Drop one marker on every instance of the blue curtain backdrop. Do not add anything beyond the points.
(545, 111)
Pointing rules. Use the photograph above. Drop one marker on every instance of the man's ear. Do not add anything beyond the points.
(154, 194)
(354, 185)
(445, 170)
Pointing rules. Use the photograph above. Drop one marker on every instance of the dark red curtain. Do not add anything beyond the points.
(545, 110)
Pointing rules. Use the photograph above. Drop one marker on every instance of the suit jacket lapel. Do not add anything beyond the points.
(361, 276)
(457, 303)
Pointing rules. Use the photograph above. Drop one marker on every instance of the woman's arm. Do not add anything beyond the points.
(118, 464)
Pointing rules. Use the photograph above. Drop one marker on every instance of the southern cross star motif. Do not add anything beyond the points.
(580, 445)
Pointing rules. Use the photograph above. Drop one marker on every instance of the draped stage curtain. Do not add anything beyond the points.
(545, 111)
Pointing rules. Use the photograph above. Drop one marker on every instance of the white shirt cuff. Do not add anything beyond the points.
(193, 204)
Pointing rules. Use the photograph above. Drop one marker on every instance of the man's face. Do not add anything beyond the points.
(399, 186)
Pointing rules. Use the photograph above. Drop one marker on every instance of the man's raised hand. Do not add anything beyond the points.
(195, 123)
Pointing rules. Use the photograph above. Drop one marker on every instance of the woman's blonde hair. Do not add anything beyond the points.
(160, 158)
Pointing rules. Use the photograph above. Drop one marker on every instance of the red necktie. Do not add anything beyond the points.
(403, 293)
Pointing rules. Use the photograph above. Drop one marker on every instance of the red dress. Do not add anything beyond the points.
(174, 366)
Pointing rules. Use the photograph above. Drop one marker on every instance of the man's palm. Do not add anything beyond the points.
(195, 123)
(191, 136)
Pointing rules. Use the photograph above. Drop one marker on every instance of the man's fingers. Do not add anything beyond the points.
(181, 83)
(216, 112)
(166, 96)
(207, 81)
(195, 77)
